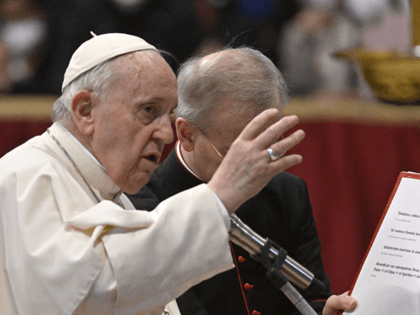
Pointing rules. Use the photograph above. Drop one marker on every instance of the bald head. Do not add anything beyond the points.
(243, 76)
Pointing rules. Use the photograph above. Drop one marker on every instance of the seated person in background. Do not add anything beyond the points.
(24, 31)
(219, 95)
(71, 242)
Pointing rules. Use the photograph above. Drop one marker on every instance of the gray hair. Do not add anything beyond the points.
(242, 75)
(98, 80)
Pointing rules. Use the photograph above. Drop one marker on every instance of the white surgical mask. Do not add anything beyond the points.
(23, 38)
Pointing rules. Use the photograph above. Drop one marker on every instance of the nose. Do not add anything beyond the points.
(164, 129)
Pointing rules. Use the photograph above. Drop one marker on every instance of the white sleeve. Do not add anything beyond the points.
(223, 211)
(105, 290)
(186, 243)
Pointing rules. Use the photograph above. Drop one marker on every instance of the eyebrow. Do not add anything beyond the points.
(155, 99)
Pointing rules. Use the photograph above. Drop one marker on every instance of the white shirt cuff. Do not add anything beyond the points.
(223, 211)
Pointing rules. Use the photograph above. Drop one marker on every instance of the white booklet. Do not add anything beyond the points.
(388, 282)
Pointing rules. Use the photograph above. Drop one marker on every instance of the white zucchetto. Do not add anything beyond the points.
(99, 49)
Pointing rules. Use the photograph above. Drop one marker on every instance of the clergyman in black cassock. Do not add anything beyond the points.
(281, 211)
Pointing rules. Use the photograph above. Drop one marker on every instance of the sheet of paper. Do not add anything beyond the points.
(389, 280)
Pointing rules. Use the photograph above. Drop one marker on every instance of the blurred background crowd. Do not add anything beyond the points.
(38, 37)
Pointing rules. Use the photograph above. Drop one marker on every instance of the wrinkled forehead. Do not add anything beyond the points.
(143, 66)
(143, 59)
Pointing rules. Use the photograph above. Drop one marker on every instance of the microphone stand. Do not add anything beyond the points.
(280, 267)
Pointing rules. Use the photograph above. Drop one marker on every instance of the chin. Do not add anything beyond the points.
(135, 186)
(133, 189)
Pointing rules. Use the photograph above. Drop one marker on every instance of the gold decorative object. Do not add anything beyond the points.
(393, 76)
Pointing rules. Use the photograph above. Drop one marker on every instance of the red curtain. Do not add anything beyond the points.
(350, 171)
(14, 132)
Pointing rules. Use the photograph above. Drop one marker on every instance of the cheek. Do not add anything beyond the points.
(113, 154)
(209, 167)
(105, 135)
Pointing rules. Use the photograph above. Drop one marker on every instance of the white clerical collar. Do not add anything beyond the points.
(181, 159)
(81, 146)
(96, 175)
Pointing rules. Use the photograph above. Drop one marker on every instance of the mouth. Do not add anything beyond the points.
(153, 158)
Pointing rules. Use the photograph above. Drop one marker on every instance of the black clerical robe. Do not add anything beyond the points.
(282, 212)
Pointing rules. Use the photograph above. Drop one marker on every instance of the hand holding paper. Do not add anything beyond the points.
(338, 303)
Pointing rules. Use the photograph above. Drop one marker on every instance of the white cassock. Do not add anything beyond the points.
(64, 253)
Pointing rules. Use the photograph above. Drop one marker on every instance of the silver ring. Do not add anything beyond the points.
(273, 155)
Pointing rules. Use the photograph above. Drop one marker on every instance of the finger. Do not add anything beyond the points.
(260, 123)
(285, 162)
(282, 146)
(339, 302)
(275, 131)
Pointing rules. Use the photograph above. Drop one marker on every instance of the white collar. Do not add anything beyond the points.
(81, 146)
(94, 173)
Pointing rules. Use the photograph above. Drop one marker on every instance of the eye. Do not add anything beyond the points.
(150, 109)
(147, 113)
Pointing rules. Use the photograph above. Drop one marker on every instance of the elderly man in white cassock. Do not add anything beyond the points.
(71, 241)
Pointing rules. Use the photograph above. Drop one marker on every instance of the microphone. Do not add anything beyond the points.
(243, 236)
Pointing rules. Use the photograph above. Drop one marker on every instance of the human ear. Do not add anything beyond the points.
(81, 108)
(186, 133)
